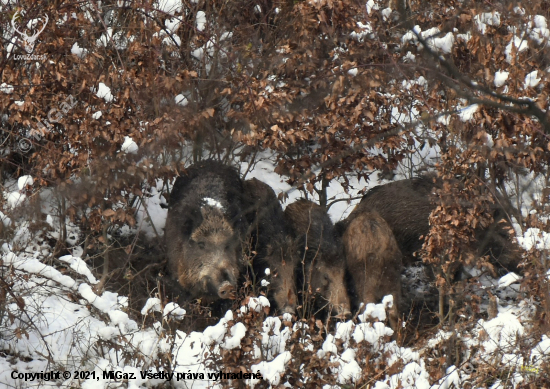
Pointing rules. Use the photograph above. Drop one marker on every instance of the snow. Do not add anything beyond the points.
(104, 92)
(238, 332)
(487, 19)
(215, 334)
(271, 371)
(129, 146)
(201, 20)
(151, 216)
(34, 266)
(531, 80)
(386, 12)
(104, 303)
(372, 6)
(78, 51)
(409, 57)
(105, 38)
(541, 351)
(467, 114)
(502, 333)
(189, 350)
(517, 43)
(500, 78)
(172, 24)
(213, 203)
(79, 266)
(534, 238)
(540, 32)
(23, 181)
(6, 88)
(508, 280)
(365, 31)
(6, 221)
(15, 199)
(173, 310)
(352, 72)
(263, 171)
(257, 304)
(435, 42)
(97, 115)
(411, 36)
(443, 44)
(181, 100)
(152, 304)
(170, 7)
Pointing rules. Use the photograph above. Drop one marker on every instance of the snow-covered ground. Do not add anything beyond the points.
(54, 321)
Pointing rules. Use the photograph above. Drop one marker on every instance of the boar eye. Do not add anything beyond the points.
(201, 245)
(325, 279)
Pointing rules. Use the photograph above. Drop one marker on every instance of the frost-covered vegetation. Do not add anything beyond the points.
(103, 103)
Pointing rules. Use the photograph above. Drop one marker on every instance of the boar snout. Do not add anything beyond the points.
(227, 291)
(341, 304)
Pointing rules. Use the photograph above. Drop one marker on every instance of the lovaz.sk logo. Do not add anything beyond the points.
(33, 27)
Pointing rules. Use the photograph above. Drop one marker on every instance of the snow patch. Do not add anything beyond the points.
(201, 20)
(104, 92)
(181, 100)
(78, 51)
(23, 181)
(500, 78)
(6, 88)
(487, 19)
(129, 146)
(519, 44)
(531, 80)
(467, 113)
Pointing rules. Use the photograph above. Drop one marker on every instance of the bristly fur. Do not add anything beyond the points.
(321, 268)
(373, 262)
(204, 230)
(271, 243)
(214, 226)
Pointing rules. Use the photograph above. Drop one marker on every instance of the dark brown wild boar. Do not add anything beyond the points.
(321, 264)
(204, 229)
(272, 243)
(406, 206)
(373, 262)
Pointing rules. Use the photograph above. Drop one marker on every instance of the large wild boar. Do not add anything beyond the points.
(204, 230)
(272, 243)
(406, 206)
(373, 262)
(321, 263)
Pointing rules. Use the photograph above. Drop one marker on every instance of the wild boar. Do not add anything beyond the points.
(321, 263)
(204, 230)
(373, 262)
(272, 243)
(406, 206)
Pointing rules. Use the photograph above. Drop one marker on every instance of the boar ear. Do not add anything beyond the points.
(187, 227)
(326, 278)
